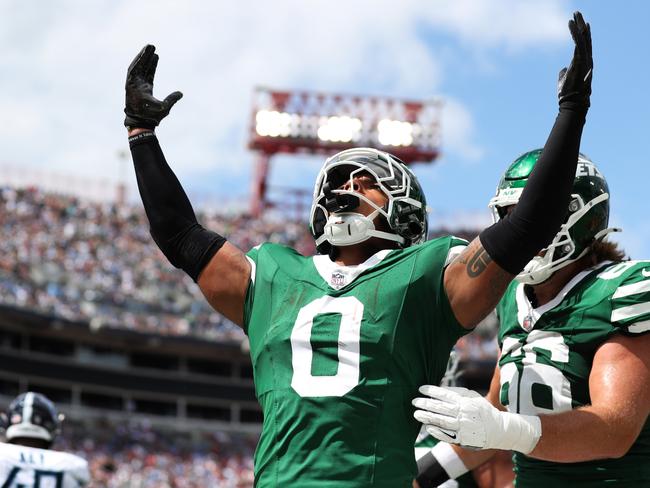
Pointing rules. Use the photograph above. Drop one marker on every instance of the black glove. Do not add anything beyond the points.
(574, 84)
(142, 109)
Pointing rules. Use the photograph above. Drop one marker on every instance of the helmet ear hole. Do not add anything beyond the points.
(414, 227)
(574, 205)
(408, 223)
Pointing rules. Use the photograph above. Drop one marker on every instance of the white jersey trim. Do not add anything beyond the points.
(630, 311)
(253, 269)
(632, 289)
(639, 327)
(338, 276)
(528, 315)
(454, 252)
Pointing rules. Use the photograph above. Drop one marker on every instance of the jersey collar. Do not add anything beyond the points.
(527, 316)
(338, 276)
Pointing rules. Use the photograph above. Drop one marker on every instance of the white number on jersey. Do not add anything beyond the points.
(347, 377)
(535, 375)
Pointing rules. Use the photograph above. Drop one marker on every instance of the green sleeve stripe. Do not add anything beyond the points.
(639, 327)
(632, 289)
(631, 311)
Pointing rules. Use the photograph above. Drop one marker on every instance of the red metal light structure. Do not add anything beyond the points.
(325, 123)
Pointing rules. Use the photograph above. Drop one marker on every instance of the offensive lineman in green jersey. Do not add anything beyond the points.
(575, 351)
(340, 341)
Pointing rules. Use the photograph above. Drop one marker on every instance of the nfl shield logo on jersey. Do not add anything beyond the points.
(337, 279)
(528, 323)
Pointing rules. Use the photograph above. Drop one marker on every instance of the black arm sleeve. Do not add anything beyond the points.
(172, 222)
(516, 239)
(430, 472)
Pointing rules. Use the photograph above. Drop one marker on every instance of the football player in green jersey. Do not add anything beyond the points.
(340, 341)
(575, 354)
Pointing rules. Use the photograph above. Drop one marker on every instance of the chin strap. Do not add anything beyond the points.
(544, 272)
(349, 228)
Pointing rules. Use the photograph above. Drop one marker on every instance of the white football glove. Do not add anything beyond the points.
(462, 416)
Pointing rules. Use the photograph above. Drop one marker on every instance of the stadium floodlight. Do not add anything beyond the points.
(272, 123)
(324, 123)
(395, 133)
(339, 129)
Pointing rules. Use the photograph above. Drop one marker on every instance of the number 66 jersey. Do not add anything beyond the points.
(338, 352)
(547, 355)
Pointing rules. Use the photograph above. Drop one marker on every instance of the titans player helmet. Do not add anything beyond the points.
(31, 415)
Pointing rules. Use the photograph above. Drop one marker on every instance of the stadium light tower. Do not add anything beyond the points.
(324, 123)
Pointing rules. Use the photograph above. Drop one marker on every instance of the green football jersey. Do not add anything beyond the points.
(547, 355)
(338, 353)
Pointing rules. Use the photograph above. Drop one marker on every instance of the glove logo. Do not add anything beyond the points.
(451, 435)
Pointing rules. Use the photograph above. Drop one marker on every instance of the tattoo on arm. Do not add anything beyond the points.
(478, 262)
(476, 284)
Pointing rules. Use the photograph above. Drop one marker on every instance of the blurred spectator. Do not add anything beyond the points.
(134, 455)
(96, 262)
(481, 344)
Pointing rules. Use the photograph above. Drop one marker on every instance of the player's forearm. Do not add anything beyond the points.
(172, 221)
(473, 458)
(584, 434)
(516, 239)
(445, 461)
(162, 194)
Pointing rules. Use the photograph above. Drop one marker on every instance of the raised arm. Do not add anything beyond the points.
(221, 270)
(476, 281)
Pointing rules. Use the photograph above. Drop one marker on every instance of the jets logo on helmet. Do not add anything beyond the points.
(587, 218)
(333, 220)
(31, 415)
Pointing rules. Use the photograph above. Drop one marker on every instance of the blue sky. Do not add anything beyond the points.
(494, 62)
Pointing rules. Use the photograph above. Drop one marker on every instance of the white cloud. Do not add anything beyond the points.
(512, 24)
(64, 62)
(458, 131)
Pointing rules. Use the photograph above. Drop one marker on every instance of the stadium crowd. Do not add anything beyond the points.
(135, 455)
(96, 262)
